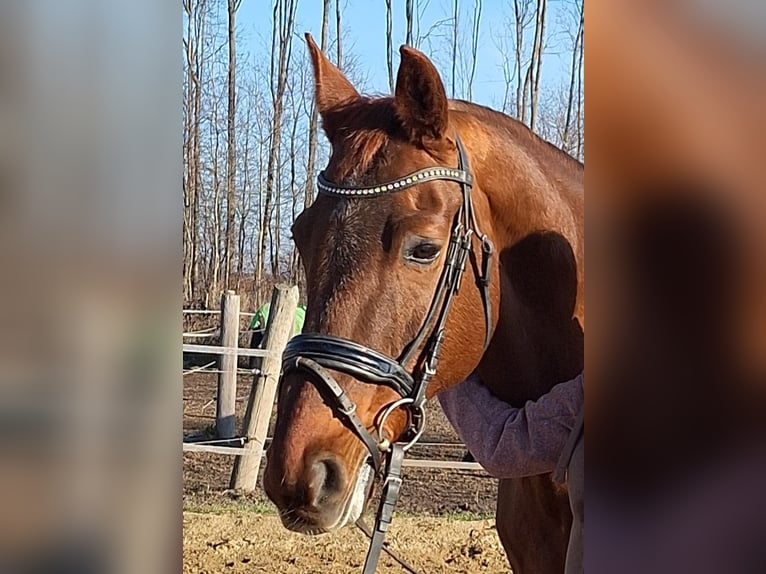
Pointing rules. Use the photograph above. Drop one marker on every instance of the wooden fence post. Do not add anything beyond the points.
(227, 364)
(279, 330)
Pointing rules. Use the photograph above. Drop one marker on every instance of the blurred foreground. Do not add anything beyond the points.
(90, 460)
(676, 236)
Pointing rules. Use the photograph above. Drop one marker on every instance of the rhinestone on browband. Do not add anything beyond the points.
(422, 176)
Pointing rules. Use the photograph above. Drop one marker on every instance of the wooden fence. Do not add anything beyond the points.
(250, 443)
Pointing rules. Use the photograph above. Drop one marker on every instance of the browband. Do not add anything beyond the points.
(422, 176)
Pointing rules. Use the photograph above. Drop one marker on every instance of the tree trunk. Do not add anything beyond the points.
(231, 147)
(260, 250)
(525, 95)
(410, 17)
(455, 17)
(197, 289)
(390, 44)
(277, 229)
(215, 260)
(245, 202)
(537, 61)
(308, 191)
(416, 23)
(284, 23)
(474, 45)
(189, 190)
(294, 194)
(509, 74)
(519, 16)
(192, 184)
(573, 82)
(338, 33)
(579, 120)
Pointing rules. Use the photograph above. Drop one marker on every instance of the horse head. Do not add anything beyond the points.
(375, 256)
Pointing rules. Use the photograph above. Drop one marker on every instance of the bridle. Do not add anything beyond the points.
(313, 354)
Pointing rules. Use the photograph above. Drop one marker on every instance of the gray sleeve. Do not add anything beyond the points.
(508, 441)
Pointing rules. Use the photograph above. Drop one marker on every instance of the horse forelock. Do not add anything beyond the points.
(361, 130)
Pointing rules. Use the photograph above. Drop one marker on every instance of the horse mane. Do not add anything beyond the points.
(364, 127)
(518, 131)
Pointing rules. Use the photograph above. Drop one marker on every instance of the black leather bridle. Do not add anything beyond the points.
(317, 354)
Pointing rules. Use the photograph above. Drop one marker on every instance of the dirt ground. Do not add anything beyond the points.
(249, 542)
(444, 521)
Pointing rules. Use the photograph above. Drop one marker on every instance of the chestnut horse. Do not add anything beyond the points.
(372, 267)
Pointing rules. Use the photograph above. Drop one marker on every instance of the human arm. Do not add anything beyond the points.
(508, 441)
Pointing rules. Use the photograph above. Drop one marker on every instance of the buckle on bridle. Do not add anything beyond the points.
(487, 247)
(348, 411)
(487, 250)
(433, 353)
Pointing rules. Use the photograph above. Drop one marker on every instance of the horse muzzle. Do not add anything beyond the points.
(324, 497)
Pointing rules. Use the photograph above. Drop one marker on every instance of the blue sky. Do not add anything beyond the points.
(364, 34)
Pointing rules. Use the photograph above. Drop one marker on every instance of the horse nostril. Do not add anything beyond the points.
(326, 478)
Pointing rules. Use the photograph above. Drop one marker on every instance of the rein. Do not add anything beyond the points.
(314, 354)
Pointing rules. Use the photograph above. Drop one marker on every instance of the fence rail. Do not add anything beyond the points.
(202, 335)
(237, 351)
(213, 312)
(408, 462)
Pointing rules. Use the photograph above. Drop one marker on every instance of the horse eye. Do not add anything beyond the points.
(423, 253)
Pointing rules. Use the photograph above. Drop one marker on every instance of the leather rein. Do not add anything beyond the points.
(316, 354)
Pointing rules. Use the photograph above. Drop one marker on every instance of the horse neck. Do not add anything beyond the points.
(532, 198)
(529, 185)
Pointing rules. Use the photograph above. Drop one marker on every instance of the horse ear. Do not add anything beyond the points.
(421, 102)
(332, 88)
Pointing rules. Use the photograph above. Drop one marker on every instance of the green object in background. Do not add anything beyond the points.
(261, 318)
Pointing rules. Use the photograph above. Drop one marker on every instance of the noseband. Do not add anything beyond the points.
(314, 354)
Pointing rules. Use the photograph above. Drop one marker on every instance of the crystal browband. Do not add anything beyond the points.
(422, 176)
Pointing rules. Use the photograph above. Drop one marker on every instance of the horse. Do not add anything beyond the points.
(374, 257)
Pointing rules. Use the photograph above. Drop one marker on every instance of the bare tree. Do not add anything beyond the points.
(508, 65)
(455, 28)
(338, 33)
(281, 49)
(410, 16)
(535, 66)
(313, 133)
(574, 78)
(528, 92)
(231, 145)
(390, 44)
(416, 23)
(275, 243)
(579, 113)
(308, 191)
(521, 21)
(293, 158)
(474, 45)
(245, 198)
(194, 11)
(214, 278)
